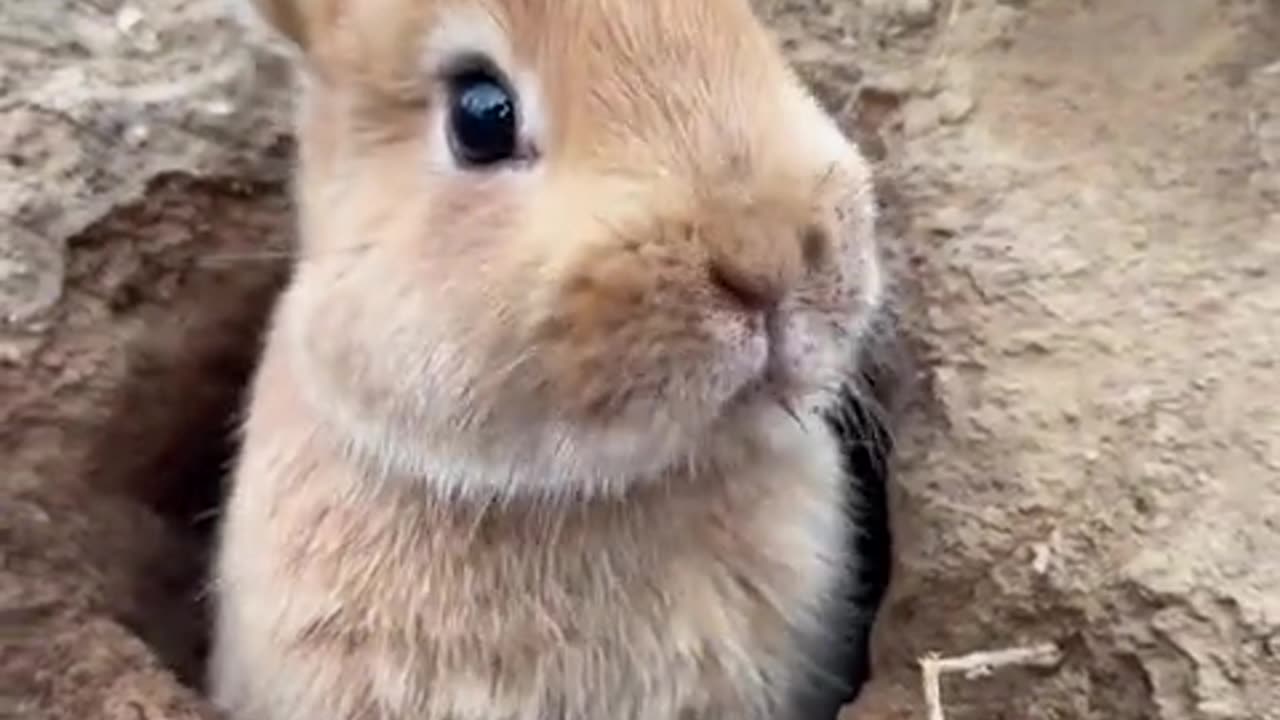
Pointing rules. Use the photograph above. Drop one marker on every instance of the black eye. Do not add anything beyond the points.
(482, 120)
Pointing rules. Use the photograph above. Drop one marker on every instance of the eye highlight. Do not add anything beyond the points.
(483, 119)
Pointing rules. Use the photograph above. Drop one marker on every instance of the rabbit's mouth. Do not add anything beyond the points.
(767, 392)
(778, 383)
(786, 373)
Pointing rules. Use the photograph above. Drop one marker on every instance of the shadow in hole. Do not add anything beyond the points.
(862, 421)
(168, 439)
(867, 449)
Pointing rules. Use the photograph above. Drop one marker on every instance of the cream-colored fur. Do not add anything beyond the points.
(513, 452)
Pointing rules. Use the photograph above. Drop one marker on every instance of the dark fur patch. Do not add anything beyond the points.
(841, 655)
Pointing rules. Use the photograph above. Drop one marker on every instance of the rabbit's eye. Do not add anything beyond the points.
(482, 120)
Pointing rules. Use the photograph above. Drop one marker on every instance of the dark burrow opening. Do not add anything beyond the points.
(170, 433)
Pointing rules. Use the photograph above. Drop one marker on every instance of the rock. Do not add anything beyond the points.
(1084, 218)
(97, 103)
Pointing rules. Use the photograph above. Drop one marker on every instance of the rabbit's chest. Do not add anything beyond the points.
(699, 613)
(694, 604)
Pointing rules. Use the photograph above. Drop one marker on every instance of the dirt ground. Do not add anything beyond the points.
(1083, 213)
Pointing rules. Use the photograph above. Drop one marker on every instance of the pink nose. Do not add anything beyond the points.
(755, 291)
(756, 254)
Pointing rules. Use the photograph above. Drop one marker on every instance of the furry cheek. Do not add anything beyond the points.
(630, 341)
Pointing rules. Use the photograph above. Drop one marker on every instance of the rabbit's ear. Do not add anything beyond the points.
(283, 20)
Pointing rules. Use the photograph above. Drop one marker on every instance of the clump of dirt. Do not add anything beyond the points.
(116, 427)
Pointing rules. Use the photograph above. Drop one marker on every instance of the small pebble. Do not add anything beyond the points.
(130, 22)
(137, 135)
(917, 11)
(220, 107)
(954, 106)
(128, 18)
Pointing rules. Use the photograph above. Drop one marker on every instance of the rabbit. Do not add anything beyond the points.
(541, 426)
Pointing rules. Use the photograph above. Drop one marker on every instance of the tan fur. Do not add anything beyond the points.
(518, 448)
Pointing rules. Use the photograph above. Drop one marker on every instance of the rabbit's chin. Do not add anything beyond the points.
(526, 452)
(558, 461)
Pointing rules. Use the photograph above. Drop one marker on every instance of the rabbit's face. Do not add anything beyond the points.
(563, 246)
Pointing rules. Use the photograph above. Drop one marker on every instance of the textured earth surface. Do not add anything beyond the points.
(1082, 206)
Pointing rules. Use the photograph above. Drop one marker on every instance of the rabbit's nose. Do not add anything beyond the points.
(754, 290)
(755, 263)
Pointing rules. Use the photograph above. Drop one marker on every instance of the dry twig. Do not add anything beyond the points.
(977, 664)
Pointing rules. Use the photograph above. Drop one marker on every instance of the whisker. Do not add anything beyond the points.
(206, 515)
(231, 258)
(785, 403)
(223, 259)
(826, 178)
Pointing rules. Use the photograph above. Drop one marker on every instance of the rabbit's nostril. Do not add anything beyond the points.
(753, 291)
(815, 246)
